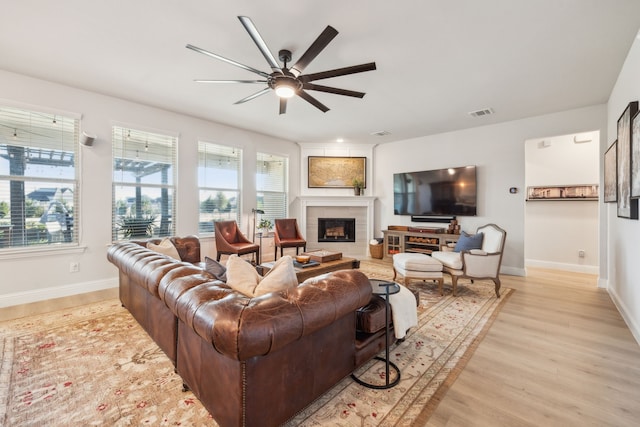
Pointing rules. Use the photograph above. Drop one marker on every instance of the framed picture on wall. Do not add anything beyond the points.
(611, 174)
(635, 156)
(563, 192)
(627, 207)
(336, 172)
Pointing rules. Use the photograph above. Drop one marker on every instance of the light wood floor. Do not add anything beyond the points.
(558, 354)
(18, 311)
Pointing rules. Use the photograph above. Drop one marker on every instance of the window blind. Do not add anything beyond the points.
(272, 185)
(218, 184)
(144, 176)
(38, 178)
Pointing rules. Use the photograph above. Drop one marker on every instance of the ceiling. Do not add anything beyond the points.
(436, 61)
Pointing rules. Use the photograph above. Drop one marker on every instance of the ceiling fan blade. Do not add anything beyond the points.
(255, 35)
(255, 95)
(230, 81)
(283, 105)
(316, 47)
(335, 90)
(311, 100)
(338, 72)
(227, 60)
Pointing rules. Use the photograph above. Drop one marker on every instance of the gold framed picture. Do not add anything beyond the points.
(336, 172)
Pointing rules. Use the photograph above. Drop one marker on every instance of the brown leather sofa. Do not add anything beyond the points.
(251, 361)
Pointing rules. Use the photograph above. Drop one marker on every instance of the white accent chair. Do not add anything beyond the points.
(478, 264)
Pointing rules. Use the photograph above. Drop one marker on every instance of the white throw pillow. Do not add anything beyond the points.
(165, 247)
(241, 276)
(281, 276)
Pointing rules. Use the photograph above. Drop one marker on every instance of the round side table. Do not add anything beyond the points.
(383, 288)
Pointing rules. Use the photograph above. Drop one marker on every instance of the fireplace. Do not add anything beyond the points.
(336, 229)
(312, 208)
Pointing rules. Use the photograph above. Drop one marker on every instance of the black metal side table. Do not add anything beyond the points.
(384, 288)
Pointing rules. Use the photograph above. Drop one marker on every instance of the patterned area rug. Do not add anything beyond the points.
(93, 365)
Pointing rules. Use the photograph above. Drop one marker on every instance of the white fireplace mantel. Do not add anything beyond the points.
(338, 201)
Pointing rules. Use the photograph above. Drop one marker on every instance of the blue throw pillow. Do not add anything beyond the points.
(466, 242)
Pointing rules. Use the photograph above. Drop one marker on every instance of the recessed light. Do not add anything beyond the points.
(340, 140)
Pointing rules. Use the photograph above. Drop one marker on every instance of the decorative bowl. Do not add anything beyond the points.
(303, 259)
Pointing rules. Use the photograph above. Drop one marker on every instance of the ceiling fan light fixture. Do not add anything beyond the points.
(285, 91)
(286, 88)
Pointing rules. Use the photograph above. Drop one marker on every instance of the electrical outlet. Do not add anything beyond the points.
(74, 267)
(581, 253)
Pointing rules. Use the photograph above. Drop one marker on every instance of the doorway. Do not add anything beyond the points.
(562, 234)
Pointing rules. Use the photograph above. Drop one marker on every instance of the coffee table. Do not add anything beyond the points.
(304, 273)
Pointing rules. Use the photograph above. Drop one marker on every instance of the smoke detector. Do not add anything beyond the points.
(481, 113)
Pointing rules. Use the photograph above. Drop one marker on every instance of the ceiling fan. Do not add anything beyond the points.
(289, 81)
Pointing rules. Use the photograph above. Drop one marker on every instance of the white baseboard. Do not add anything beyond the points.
(576, 268)
(27, 297)
(623, 310)
(603, 283)
(513, 271)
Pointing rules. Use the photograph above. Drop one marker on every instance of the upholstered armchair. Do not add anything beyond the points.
(483, 263)
(287, 235)
(229, 240)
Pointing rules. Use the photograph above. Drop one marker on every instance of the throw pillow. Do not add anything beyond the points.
(241, 276)
(216, 269)
(281, 276)
(466, 242)
(165, 247)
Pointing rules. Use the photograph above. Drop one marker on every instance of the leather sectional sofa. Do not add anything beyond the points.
(251, 361)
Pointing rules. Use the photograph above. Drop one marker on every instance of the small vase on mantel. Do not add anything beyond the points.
(358, 185)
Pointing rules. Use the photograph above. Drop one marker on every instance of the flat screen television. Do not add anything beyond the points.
(449, 191)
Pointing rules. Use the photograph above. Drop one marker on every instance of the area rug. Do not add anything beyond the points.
(94, 365)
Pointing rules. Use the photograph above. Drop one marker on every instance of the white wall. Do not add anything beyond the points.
(34, 276)
(556, 230)
(622, 273)
(498, 152)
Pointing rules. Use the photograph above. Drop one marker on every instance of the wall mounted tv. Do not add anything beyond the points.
(449, 191)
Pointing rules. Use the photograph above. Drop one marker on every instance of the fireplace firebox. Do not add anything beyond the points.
(336, 229)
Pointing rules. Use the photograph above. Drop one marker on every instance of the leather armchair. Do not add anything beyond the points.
(287, 235)
(230, 240)
(478, 264)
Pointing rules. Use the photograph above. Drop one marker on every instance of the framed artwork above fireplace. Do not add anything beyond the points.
(336, 172)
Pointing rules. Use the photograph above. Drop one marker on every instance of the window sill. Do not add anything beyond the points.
(16, 253)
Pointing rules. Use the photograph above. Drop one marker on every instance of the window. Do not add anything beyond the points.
(218, 184)
(272, 185)
(38, 178)
(144, 169)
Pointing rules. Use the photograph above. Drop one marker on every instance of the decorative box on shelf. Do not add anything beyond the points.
(398, 227)
(426, 230)
(324, 256)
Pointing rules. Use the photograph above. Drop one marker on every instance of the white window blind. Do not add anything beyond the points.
(272, 185)
(219, 184)
(38, 179)
(144, 176)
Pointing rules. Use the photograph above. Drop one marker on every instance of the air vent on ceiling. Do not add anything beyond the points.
(480, 113)
(381, 133)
